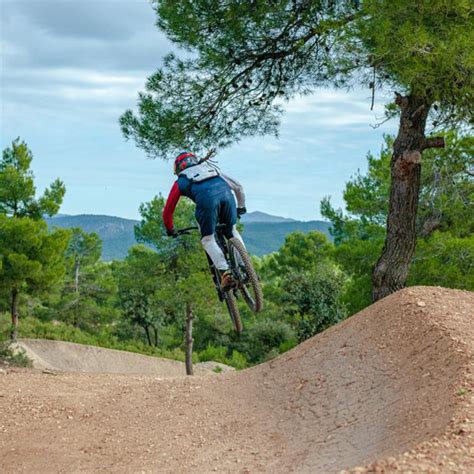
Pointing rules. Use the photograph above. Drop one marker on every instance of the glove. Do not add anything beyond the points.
(241, 211)
(171, 233)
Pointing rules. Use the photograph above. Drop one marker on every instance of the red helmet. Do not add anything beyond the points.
(184, 160)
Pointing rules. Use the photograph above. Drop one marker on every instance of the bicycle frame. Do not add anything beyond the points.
(222, 242)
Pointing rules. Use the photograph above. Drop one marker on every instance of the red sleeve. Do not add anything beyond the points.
(170, 206)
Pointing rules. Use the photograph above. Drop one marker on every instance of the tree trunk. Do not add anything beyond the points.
(391, 271)
(14, 314)
(148, 337)
(189, 339)
(155, 331)
(77, 267)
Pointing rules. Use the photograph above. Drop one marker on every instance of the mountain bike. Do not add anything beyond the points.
(246, 280)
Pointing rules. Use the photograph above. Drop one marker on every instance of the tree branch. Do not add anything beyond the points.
(323, 27)
(373, 91)
(433, 142)
(401, 100)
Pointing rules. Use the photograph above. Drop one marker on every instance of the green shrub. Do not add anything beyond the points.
(13, 357)
(314, 300)
(287, 345)
(216, 354)
(238, 360)
(444, 260)
(264, 336)
(219, 354)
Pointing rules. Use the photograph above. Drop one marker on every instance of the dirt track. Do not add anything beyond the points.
(395, 378)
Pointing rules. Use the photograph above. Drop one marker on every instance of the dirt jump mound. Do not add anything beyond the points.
(389, 389)
(70, 357)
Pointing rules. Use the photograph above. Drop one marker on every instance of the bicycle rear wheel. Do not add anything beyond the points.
(249, 283)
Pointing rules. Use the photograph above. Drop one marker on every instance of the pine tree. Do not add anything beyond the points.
(32, 258)
(17, 188)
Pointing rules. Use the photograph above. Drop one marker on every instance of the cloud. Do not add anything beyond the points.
(329, 109)
(85, 78)
(78, 59)
(101, 19)
(72, 93)
(98, 19)
(272, 147)
(67, 33)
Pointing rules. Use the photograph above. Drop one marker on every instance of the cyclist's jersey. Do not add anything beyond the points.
(204, 193)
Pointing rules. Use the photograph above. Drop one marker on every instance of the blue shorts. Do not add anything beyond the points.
(218, 207)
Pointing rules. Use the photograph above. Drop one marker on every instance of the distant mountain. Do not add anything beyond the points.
(263, 233)
(263, 238)
(258, 216)
(116, 232)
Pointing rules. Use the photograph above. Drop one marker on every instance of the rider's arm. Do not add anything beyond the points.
(170, 206)
(237, 188)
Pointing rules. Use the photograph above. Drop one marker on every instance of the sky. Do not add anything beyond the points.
(69, 69)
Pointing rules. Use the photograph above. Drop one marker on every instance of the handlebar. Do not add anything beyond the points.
(186, 231)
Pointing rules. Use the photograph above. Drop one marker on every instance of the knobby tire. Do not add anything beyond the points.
(230, 302)
(255, 302)
(233, 309)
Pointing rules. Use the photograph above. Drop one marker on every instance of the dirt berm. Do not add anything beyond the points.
(389, 389)
(70, 357)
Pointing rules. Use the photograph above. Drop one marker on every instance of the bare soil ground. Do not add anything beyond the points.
(387, 390)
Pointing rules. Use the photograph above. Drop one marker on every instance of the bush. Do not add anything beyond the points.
(213, 353)
(219, 354)
(261, 338)
(288, 345)
(238, 360)
(314, 301)
(12, 357)
(444, 260)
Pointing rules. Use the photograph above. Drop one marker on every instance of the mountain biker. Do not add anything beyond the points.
(210, 189)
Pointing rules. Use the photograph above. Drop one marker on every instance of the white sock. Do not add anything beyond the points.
(214, 251)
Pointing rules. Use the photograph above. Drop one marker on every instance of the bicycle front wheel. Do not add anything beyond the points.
(249, 283)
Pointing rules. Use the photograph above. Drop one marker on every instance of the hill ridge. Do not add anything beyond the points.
(117, 233)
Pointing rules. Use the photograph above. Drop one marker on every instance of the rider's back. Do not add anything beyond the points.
(202, 192)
